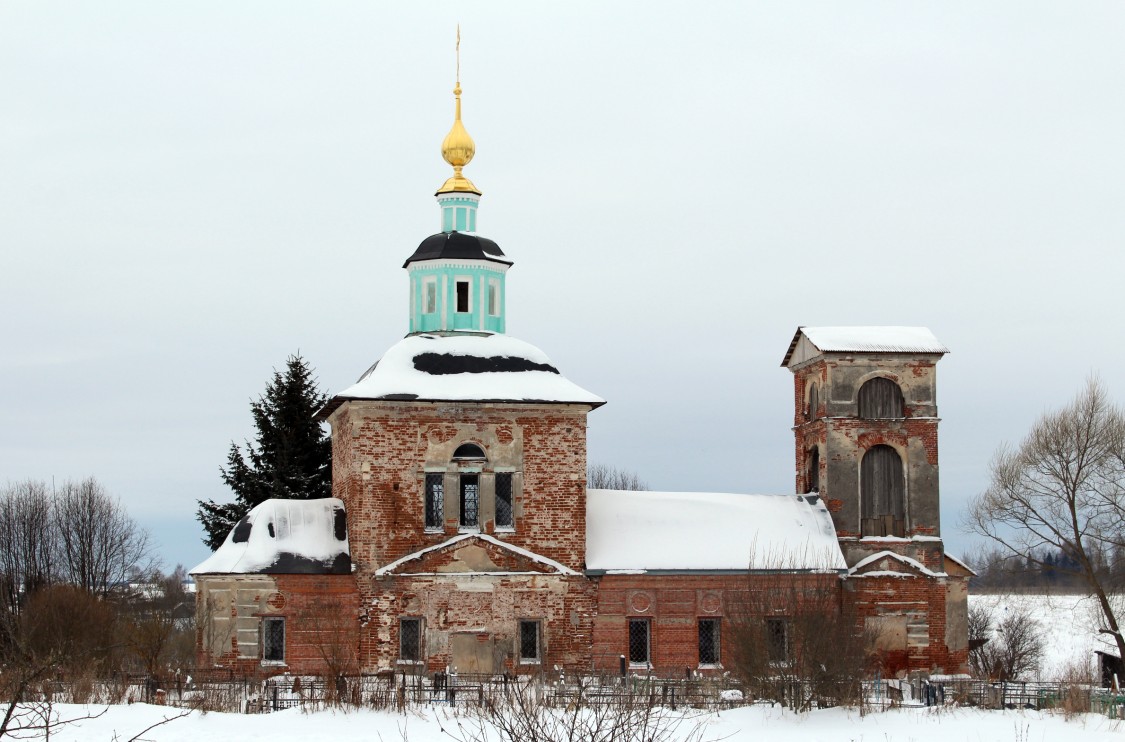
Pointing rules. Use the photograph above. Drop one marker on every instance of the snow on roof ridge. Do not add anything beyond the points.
(959, 562)
(914, 563)
(562, 568)
(874, 339)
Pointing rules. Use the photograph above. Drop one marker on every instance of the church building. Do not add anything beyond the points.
(461, 534)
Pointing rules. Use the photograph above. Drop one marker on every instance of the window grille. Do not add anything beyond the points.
(273, 639)
(529, 641)
(504, 500)
(709, 641)
(435, 500)
(880, 398)
(882, 493)
(470, 500)
(410, 639)
(777, 639)
(639, 642)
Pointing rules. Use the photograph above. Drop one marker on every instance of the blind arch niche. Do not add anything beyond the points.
(882, 493)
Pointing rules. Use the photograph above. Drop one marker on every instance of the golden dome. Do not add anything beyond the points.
(458, 149)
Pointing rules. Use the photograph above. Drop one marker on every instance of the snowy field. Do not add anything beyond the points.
(1068, 623)
(750, 723)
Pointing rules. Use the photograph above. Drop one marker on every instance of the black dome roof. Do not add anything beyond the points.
(444, 245)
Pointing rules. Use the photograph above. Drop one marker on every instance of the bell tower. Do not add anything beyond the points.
(865, 431)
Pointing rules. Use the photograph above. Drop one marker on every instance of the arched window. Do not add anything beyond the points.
(813, 403)
(880, 398)
(812, 476)
(882, 493)
(468, 451)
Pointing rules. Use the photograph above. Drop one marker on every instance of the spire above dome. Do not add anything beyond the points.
(458, 147)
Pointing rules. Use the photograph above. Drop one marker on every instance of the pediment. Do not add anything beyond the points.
(473, 554)
(890, 564)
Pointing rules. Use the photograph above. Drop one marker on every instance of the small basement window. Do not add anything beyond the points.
(463, 297)
(273, 640)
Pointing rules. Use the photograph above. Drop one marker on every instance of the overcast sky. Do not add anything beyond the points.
(189, 192)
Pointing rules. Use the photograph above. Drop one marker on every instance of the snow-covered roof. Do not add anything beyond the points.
(464, 367)
(867, 340)
(688, 531)
(285, 537)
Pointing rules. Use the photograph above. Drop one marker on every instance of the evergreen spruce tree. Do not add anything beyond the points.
(291, 459)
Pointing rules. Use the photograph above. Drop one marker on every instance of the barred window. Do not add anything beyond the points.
(777, 639)
(273, 639)
(504, 500)
(639, 641)
(470, 500)
(435, 500)
(410, 639)
(709, 641)
(529, 641)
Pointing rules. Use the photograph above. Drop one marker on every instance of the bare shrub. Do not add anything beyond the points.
(798, 642)
(333, 629)
(1075, 681)
(1015, 647)
(525, 715)
(605, 477)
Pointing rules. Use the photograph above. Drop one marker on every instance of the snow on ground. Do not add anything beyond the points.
(755, 722)
(1069, 625)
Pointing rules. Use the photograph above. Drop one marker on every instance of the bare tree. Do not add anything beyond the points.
(1063, 490)
(605, 477)
(99, 544)
(27, 541)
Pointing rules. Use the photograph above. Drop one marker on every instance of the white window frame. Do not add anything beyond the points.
(468, 281)
(493, 297)
(429, 295)
(647, 664)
